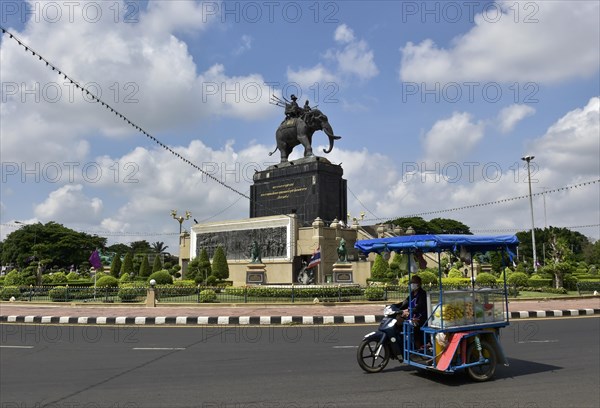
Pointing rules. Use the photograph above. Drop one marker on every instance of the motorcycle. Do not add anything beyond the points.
(378, 347)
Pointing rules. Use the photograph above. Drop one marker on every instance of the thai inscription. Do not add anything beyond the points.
(283, 191)
(272, 242)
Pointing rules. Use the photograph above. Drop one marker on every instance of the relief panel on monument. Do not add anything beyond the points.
(273, 243)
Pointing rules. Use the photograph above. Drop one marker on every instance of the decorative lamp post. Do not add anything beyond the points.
(180, 218)
(528, 159)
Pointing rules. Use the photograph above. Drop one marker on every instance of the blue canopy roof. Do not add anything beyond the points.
(437, 243)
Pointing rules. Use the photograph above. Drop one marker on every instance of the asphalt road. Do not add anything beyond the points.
(553, 364)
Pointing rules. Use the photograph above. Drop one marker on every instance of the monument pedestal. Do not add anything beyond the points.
(256, 274)
(309, 187)
(342, 272)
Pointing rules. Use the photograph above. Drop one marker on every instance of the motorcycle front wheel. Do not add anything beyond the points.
(367, 356)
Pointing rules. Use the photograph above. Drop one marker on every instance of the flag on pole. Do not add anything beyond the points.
(315, 259)
(95, 260)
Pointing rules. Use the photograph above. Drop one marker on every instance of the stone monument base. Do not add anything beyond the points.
(342, 272)
(256, 274)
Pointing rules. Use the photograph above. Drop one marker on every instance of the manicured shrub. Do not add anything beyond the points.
(125, 278)
(455, 273)
(184, 287)
(107, 282)
(14, 278)
(59, 294)
(211, 280)
(127, 265)
(570, 282)
(145, 270)
(220, 269)
(208, 296)
(58, 277)
(157, 265)
(72, 276)
(535, 282)
(10, 291)
(115, 266)
(428, 278)
(161, 277)
(380, 268)
(131, 293)
(374, 293)
(519, 279)
(485, 279)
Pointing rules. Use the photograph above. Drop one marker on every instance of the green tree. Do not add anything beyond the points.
(199, 268)
(140, 247)
(157, 265)
(145, 267)
(115, 266)
(380, 268)
(220, 269)
(62, 246)
(159, 247)
(591, 254)
(448, 226)
(127, 266)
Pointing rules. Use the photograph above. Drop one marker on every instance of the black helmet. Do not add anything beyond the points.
(293, 97)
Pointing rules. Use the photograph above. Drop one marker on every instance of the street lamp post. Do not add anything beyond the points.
(528, 159)
(180, 219)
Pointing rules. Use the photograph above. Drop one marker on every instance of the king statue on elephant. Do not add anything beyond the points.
(299, 126)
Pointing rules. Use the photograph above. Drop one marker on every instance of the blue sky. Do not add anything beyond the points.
(436, 103)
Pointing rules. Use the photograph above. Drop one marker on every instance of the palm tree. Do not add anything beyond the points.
(159, 247)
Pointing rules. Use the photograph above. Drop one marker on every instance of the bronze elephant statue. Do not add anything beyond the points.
(295, 131)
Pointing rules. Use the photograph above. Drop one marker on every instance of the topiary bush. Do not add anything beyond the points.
(10, 291)
(570, 282)
(58, 277)
(428, 278)
(161, 277)
(59, 294)
(184, 287)
(14, 278)
(125, 278)
(485, 279)
(129, 293)
(374, 293)
(107, 282)
(208, 296)
(73, 276)
(455, 273)
(518, 279)
(211, 280)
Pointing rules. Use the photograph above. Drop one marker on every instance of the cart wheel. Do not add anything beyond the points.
(485, 371)
(367, 358)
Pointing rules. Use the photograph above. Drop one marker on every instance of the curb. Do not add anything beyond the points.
(255, 320)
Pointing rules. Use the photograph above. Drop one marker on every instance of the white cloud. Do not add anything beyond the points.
(563, 43)
(511, 115)
(246, 45)
(143, 70)
(452, 139)
(69, 204)
(571, 146)
(307, 77)
(343, 34)
(355, 60)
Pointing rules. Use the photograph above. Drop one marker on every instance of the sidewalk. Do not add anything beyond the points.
(236, 314)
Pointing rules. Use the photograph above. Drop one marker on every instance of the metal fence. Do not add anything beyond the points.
(213, 294)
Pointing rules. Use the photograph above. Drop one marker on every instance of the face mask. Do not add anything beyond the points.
(414, 286)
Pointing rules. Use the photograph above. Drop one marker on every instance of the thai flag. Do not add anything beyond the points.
(316, 258)
(95, 260)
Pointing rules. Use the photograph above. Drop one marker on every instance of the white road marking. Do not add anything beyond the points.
(538, 341)
(344, 347)
(17, 347)
(159, 348)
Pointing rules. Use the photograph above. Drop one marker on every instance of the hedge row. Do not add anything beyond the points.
(298, 292)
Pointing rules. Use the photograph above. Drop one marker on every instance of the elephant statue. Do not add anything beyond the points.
(295, 131)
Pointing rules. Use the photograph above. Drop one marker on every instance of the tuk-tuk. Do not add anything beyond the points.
(463, 321)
